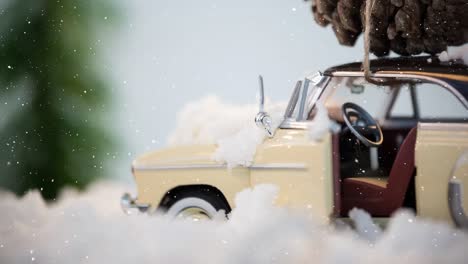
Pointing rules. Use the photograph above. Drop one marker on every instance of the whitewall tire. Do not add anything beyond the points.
(201, 204)
(192, 208)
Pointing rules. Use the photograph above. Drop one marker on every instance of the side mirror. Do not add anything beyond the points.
(357, 89)
(356, 86)
(262, 119)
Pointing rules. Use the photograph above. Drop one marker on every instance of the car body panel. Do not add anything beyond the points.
(303, 171)
(160, 171)
(438, 147)
(176, 155)
(308, 183)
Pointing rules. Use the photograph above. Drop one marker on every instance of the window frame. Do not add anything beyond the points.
(302, 124)
(415, 102)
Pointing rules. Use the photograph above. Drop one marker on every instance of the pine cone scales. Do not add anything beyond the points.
(407, 27)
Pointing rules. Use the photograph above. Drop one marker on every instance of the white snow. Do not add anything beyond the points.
(207, 120)
(321, 123)
(90, 228)
(364, 225)
(455, 53)
(232, 127)
(239, 149)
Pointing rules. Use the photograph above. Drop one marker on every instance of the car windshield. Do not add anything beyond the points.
(357, 90)
(303, 97)
(373, 98)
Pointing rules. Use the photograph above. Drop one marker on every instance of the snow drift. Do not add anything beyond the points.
(232, 127)
(321, 123)
(91, 228)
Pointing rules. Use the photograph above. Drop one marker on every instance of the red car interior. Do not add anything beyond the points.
(379, 196)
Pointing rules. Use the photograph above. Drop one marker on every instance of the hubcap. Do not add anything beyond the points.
(193, 213)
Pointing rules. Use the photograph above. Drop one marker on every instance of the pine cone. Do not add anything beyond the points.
(407, 27)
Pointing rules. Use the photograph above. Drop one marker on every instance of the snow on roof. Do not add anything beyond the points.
(455, 53)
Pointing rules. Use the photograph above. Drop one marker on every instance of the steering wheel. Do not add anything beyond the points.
(362, 125)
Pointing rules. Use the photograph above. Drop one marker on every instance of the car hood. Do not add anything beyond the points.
(177, 155)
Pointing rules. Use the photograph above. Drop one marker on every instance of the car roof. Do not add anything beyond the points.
(453, 72)
(428, 64)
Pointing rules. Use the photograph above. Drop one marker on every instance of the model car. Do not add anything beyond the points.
(402, 143)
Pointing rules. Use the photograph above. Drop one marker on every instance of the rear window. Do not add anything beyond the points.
(437, 102)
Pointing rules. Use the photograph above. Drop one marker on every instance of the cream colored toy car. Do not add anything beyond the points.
(402, 133)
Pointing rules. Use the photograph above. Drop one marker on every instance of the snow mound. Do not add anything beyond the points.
(208, 120)
(321, 123)
(239, 149)
(91, 228)
(455, 53)
(231, 127)
(364, 225)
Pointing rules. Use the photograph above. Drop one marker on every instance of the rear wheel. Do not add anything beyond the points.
(195, 205)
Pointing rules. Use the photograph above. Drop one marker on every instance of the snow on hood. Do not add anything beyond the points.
(209, 119)
(91, 228)
(232, 127)
(455, 53)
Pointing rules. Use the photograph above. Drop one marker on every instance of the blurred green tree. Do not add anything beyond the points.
(53, 98)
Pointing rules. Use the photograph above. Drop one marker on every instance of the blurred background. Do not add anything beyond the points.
(86, 86)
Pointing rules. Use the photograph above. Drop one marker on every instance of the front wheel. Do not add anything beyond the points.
(195, 206)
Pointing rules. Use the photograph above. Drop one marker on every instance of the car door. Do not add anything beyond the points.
(442, 138)
(298, 166)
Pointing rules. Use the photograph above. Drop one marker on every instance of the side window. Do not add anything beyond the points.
(436, 102)
(356, 90)
(403, 107)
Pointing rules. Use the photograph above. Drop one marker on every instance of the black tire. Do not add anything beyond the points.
(207, 202)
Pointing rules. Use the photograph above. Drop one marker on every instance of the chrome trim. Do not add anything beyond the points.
(316, 77)
(261, 100)
(279, 166)
(293, 124)
(293, 100)
(263, 121)
(313, 97)
(307, 97)
(129, 204)
(443, 126)
(180, 167)
(406, 75)
(300, 115)
(457, 212)
(455, 195)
